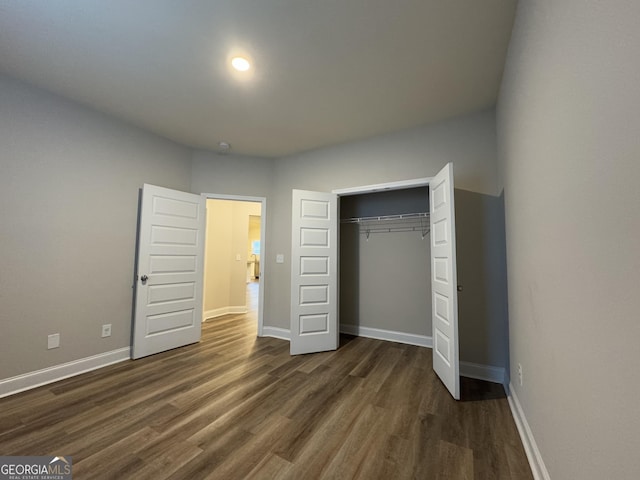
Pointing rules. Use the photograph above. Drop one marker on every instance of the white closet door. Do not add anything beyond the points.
(168, 307)
(314, 272)
(444, 296)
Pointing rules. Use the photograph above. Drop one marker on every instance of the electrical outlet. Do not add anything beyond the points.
(279, 258)
(53, 341)
(106, 330)
(520, 374)
(238, 257)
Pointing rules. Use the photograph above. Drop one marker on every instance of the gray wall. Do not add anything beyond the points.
(384, 282)
(231, 174)
(481, 258)
(469, 142)
(68, 210)
(240, 175)
(568, 124)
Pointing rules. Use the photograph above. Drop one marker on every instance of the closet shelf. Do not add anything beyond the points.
(406, 222)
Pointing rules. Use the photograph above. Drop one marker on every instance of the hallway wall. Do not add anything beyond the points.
(227, 238)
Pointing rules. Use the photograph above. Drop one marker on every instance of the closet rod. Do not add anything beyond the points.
(395, 229)
(383, 218)
(406, 222)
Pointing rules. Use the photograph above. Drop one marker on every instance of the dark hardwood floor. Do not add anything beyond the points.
(235, 406)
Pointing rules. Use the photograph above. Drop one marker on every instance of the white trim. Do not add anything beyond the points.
(276, 332)
(263, 263)
(416, 182)
(488, 373)
(389, 335)
(219, 312)
(538, 468)
(242, 198)
(27, 381)
(263, 246)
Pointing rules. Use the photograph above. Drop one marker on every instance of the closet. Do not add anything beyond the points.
(383, 274)
(385, 285)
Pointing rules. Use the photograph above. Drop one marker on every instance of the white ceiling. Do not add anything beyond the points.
(324, 71)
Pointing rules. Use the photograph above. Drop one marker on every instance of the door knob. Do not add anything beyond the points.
(144, 279)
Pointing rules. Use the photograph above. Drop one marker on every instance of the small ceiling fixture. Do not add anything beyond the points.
(240, 63)
(224, 147)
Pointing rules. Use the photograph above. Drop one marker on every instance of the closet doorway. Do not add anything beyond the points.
(315, 265)
(385, 266)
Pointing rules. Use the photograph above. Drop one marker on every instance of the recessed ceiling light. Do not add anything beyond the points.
(241, 64)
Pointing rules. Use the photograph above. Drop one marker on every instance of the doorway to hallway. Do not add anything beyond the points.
(234, 246)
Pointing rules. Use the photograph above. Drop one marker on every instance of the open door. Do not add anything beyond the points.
(314, 272)
(168, 294)
(444, 296)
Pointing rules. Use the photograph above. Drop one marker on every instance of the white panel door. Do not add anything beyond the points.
(444, 296)
(314, 272)
(168, 299)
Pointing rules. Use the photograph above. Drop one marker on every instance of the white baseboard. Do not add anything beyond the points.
(27, 381)
(488, 373)
(389, 335)
(230, 310)
(276, 332)
(536, 463)
(378, 334)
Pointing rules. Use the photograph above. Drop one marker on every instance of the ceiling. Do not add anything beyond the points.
(323, 71)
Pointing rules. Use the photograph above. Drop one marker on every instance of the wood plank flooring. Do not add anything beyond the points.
(239, 407)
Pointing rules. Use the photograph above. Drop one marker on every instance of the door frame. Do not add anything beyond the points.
(263, 229)
(400, 185)
(376, 188)
(381, 187)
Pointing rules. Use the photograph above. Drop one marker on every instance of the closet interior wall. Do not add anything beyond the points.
(385, 278)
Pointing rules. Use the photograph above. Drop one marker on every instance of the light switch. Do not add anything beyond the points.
(280, 258)
(53, 341)
(238, 258)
